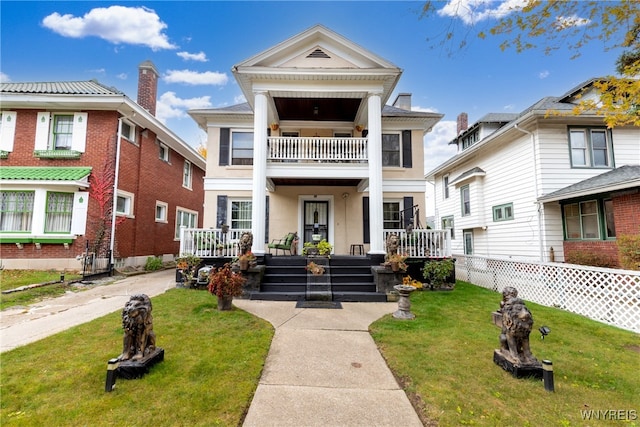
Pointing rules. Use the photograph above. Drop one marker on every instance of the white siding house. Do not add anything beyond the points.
(503, 173)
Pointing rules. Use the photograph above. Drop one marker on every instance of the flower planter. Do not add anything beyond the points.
(225, 303)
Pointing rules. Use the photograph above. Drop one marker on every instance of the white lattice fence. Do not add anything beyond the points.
(607, 295)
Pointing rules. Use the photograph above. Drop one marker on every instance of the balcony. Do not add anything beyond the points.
(317, 149)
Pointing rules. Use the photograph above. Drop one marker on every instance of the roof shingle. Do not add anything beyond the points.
(43, 173)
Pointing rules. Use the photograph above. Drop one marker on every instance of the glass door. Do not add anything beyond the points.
(316, 220)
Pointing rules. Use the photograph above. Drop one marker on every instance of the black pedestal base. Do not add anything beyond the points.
(130, 369)
(518, 371)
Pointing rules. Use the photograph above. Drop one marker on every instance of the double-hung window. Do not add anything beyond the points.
(59, 212)
(185, 218)
(186, 174)
(589, 220)
(590, 147)
(242, 148)
(445, 187)
(60, 135)
(465, 200)
(163, 152)
(241, 214)
(391, 215)
(16, 211)
(447, 222)
(62, 132)
(391, 149)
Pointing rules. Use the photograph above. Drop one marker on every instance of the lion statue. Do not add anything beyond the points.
(393, 242)
(246, 241)
(508, 293)
(139, 339)
(516, 327)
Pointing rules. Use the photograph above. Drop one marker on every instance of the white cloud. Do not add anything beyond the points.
(116, 24)
(239, 99)
(563, 22)
(195, 78)
(436, 144)
(424, 109)
(4, 78)
(543, 74)
(122, 76)
(473, 11)
(170, 106)
(200, 56)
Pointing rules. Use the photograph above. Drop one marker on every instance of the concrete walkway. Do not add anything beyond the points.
(323, 368)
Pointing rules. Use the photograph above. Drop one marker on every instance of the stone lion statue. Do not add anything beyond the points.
(393, 242)
(246, 241)
(139, 339)
(508, 293)
(516, 327)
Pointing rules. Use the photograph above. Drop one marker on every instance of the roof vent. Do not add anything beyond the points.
(318, 53)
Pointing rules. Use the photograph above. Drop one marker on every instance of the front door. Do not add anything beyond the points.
(316, 220)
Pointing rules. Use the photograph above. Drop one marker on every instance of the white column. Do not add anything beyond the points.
(375, 174)
(259, 189)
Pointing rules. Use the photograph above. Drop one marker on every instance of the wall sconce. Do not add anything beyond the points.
(66, 246)
(38, 246)
(19, 245)
(316, 110)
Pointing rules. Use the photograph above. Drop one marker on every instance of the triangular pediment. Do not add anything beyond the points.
(317, 47)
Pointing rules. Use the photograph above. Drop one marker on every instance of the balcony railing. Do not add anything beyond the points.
(422, 243)
(212, 242)
(296, 149)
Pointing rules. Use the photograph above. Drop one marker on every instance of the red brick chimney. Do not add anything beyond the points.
(463, 122)
(148, 86)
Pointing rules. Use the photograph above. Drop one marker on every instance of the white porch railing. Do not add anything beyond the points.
(210, 242)
(603, 294)
(423, 243)
(296, 149)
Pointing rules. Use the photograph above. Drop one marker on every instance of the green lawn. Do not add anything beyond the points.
(445, 359)
(213, 361)
(12, 279)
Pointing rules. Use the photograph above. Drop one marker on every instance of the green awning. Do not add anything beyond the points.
(34, 173)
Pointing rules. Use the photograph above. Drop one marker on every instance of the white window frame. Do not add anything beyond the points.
(398, 202)
(131, 135)
(163, 151)
(449, 222)
(44, 137)
(129, 199)
(187, 174)
(232, 221)
(193, 219)
(164, 211)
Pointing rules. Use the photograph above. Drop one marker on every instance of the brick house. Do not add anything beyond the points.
(64, 148)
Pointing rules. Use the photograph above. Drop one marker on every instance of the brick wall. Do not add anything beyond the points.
(625, 211)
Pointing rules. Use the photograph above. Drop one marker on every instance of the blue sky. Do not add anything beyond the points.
(194, 45)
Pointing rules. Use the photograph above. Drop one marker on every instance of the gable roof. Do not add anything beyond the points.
(624, 177)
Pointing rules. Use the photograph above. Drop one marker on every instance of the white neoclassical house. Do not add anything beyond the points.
(315, 149)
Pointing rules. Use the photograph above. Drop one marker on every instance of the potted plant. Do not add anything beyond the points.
(226, 284)
(437, 272)
(315, 269)
(397, 262)
(322, 248)
(274, 126)
(359, 127)
(246, 260)
(186, 268)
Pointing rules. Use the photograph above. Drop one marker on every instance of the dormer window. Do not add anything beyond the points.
(470, 139)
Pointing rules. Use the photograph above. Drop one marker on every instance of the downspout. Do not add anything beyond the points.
(115, 192)
(535, 177)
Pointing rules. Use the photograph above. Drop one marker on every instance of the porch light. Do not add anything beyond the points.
(316, 110)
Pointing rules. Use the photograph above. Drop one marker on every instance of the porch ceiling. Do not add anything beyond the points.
(331, 182)
(317, 109)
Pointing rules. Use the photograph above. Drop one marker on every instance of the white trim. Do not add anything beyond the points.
(7, 130)
(130, 205)
(166, 211)
(228, 184)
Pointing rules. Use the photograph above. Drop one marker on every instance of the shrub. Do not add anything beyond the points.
(629, 251)
(438, 272)
(153, 263)
(593, 259)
